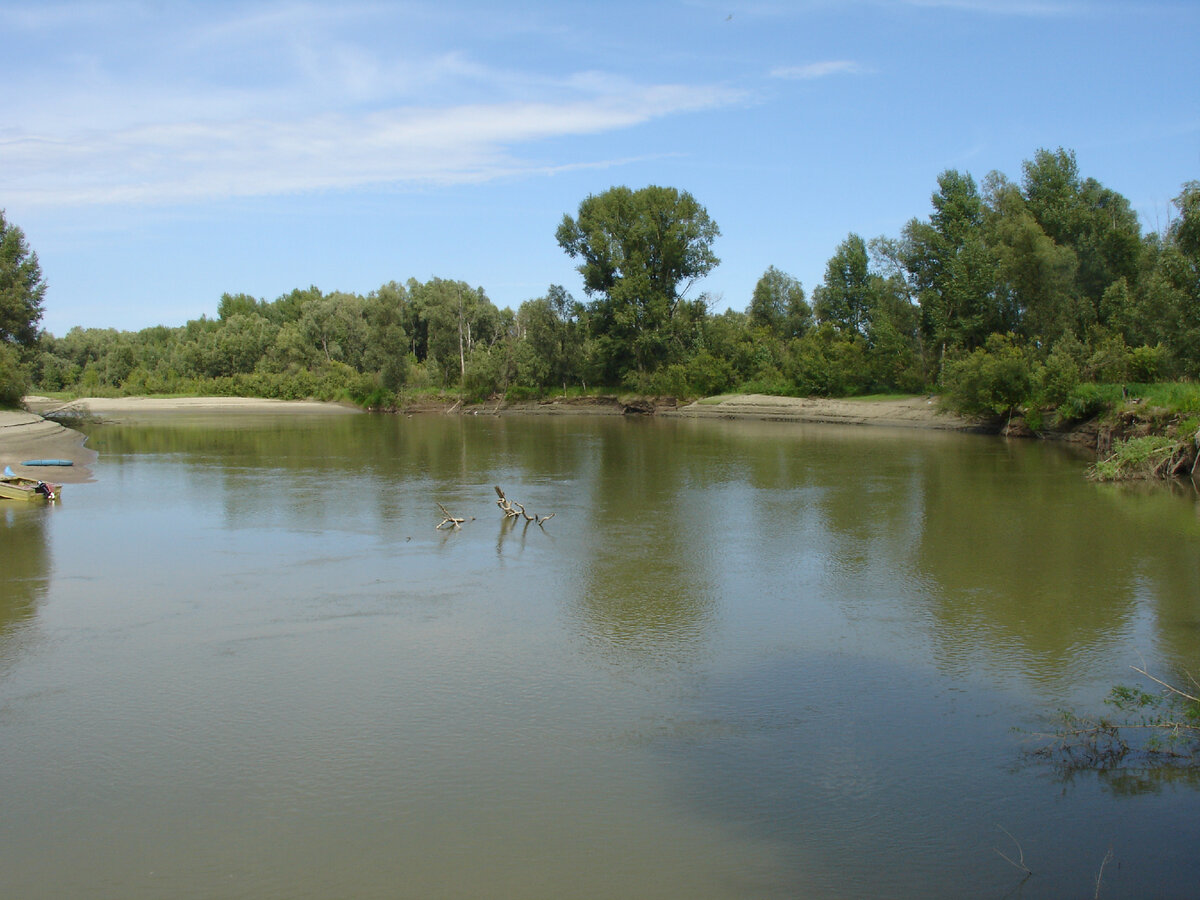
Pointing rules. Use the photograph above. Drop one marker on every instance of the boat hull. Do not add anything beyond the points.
(29, 490)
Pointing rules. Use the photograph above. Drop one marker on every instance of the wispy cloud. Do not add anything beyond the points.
(824, 69)
(191, 160)
(147, 105)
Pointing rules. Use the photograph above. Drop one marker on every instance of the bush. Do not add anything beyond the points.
(993, 381)
(1151, 456)
(1087, 401)
(14, 379)
(1147, 364)
(1061, 373)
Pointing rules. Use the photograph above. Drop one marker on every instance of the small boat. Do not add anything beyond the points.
(17, 487)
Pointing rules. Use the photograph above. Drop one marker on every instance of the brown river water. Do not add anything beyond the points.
(743, 660)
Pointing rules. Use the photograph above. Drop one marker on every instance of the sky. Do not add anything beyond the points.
(160, 154)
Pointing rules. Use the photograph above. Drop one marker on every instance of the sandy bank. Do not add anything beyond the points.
(911, 412)
(29, 435)
(125, 409)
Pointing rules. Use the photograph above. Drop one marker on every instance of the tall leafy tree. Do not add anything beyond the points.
(953, 270)
(844, 299)
(1171, 291)
(451, 318)
(1097, 224)
(778, 304)
(1035, 276)
(22, 287)
(640, 251)
(550, 338)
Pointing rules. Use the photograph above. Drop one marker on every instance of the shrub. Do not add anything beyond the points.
(1061, 373)
(1087, 401)
(14, 379)
(1152, 456)
(992, 381)
(1147, 364)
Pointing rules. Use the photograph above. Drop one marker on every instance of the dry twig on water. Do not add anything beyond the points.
(1100, 875)
(1019, 862)
(448, 519)
(513, 510)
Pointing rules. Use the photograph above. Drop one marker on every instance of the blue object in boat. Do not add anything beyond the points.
(9, 473)
(48, 462)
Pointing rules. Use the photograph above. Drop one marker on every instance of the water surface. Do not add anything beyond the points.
(742, 660)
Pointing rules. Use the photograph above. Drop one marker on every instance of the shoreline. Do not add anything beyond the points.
(33, 433)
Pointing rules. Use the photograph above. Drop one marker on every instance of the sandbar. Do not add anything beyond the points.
(28, 434)
(904, 412)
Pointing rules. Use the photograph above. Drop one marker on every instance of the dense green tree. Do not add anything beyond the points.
(387, 351)
(1185, 231)
(1035, 277)
(779, 305)
(549, 338)
(236, 304)
(1095, 223)
(1171, 289)
(953, 270)
(14, 378)
(22, 287)
(640, 251)
(451, 317)
(844, 299)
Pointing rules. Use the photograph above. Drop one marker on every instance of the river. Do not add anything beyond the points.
(742, 660)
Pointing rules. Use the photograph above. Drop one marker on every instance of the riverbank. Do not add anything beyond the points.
(907, 412)
(27, 436)
(34, 433)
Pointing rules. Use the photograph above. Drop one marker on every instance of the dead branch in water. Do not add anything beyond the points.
(514, 510)
(448, 519)
(1019, 862)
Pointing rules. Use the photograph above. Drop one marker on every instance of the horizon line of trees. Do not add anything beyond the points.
(1008, 293)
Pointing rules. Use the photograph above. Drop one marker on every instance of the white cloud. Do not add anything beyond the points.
(172, 161)
(820, 70)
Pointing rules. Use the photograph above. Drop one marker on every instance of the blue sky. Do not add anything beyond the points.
(160, 154)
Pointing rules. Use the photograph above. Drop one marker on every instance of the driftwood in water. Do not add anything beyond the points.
(447, 519)
(514, 510)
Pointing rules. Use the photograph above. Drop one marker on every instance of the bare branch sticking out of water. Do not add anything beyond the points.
(514, 510)
(448, 519)
(1019, 862)
(1100, 875)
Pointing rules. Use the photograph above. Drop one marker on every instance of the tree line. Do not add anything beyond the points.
(1009, 293)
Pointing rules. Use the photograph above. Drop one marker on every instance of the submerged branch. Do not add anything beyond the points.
(1161, 728)
(514, 510)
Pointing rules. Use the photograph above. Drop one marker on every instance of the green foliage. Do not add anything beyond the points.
(1146, 364)
(640, 252)
(778, 305)
(1041, 295)
(827, 364)
(846, 299)
(1086, 401)
(991, 381)
(14, 381)
(1137, 458)
(1159, 726)
(22, 288)
(1061, 373)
